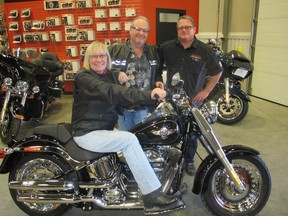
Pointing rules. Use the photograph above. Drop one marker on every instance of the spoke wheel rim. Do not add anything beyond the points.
(38, 169)
(231, 111)
(226, 194)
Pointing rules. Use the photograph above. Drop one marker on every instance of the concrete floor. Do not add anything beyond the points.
(264, 128)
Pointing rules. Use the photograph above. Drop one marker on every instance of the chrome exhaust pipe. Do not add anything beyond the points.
(52, 185)
(42, 185)
(51, 198)
(72, 199)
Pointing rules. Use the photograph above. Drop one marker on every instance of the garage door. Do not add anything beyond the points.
(270, 78)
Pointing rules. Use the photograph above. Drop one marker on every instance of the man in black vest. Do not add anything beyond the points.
(139, 65)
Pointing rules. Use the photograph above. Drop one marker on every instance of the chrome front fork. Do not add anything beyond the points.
(227, 92)
(4, 108)
(213, 145)
(6, 101)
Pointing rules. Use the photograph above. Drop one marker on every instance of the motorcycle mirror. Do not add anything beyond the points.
(212, 41)
(176, 79)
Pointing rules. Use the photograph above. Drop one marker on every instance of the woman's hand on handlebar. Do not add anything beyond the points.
(159, 94)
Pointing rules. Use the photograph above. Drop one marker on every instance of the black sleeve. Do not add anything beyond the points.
(161, 64)
(214, 64)
(94, 87)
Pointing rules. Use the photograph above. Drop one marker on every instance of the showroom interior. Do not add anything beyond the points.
(256, 28)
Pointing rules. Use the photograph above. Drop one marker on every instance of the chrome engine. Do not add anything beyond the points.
(164, 160)
(111, 183)
(157, 159)
(108, 168)
(104, 168)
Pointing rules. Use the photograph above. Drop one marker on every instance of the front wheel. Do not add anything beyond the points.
(32, 168)
(233, 112)
(221, 196)
(9, 128)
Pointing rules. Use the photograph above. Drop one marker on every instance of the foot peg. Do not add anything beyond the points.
(161, 210)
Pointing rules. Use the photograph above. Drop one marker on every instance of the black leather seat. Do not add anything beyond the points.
(63, 133)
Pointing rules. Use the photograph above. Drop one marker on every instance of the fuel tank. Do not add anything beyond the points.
(165, 130)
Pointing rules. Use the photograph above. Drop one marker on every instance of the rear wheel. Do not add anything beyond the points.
(223, 198)
(32, 168)
(10, 128)
(233, 112)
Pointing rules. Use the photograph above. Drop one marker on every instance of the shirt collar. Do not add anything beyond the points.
(193, 45)
(128, 43)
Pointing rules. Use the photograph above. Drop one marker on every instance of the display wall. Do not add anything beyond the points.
(67, 27)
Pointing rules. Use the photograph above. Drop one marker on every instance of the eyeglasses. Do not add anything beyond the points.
(101, 56)
(138, 29)
(186, 28)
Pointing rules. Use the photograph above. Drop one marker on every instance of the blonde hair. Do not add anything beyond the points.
(96, 46)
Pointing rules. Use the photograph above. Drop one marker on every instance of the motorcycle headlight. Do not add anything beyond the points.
(22, 86)
(36, 89)
(7, 81)
(210, 111)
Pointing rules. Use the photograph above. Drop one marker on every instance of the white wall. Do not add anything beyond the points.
(238, 21)
(270, 77)
(235, 27)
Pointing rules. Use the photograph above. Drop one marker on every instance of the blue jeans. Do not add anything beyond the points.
(130, 118)
(192, 148)
(128, 144)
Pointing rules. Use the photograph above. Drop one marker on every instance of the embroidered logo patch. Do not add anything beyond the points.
(196, 57)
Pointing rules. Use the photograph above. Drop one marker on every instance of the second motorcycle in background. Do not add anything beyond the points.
(27, 89)
(232, 101)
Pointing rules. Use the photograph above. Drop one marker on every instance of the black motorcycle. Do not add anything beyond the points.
(48, 172)
(232, 102)
(27, 90)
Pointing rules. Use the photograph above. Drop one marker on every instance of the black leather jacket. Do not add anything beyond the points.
(95, 99)
(121, 52)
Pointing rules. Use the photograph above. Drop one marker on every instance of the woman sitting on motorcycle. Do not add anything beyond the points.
(97, 93)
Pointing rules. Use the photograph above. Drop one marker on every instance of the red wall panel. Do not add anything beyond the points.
(149, 10)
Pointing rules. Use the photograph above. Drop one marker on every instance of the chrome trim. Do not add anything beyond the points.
(227, 92)
(213, 142)
(6, 101)
(72, 199)
(53, 185)
(23, 99)
(42, 185)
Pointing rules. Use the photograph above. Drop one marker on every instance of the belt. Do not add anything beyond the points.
(135, 109)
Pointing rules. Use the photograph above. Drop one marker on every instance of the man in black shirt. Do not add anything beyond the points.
(195, 61)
